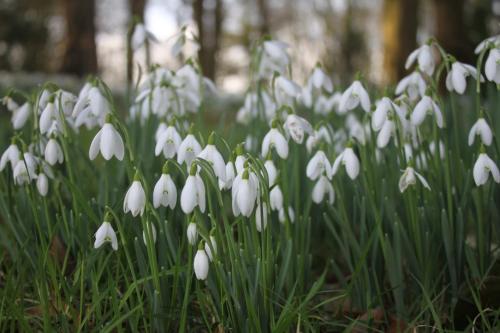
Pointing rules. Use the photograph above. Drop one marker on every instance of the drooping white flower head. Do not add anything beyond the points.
(135, 199)
(274, 139)
(9, 103)
(274, 58)
(321, 134)
(318, 165)
(193, 193)
(151, 230)
(388, 130)
(53, 152)
(188, 150)
(296, 127)
(493, 41)
(42, 184)
(244, 193)
(140, 35)
(285, 91)
(25, 169)
(282, 216)
(492, 66)
(354, 96)
(212, 156)
(272, 171)
(20, 116)
(425, 106)
(456, 78)
(165, 192)
(107, 141)
(10, 155)
(192, 233)
(482, 129)
(356, 129)
(323, 188)
(168, 141)
(409, 177)
(414, 85)
(230, 174)
(349, 159)
(105, 234)
(211, 246)
(384, 107)
(276, 198)
(423, 55)
(261, 217)
(319, 80)
(49, 116)
(201, 263)
(483, 167)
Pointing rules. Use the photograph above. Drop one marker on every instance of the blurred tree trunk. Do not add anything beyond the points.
(136, 8)
(209, 22)
(264, 17)
(80, 56)
(451, 29)
(399, 26)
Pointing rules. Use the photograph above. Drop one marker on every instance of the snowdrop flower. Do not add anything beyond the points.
(25, 169)
(161, 97)
(424, 106)
(483, 167)
(285, 91)
(274, 139)
(272, 171)
(152, 231)
(230, 175)
(192, 233)
(53, 152)
(168, 141)
(349, 159)
(409, 177)
(66, 100)
(423, 55)
(282, 215)
(139, 36)
(324, 105)
(319, 80)
(323, 188)
(135, 199)
(212, 155)
(9, 103)
(482, 129)
(353, 96)
(261, 217)
(211, 245)
(244, 194)
(108, 141)
(274, 58)
(356, 129)
(296, 126)
(388, 129)
(42, 184)
(276, 198)
(201, 263)
(455, 80)
(239, 163)
(104, 234)
(318, 165)
(193, 193)
(10, 155)
(384, 107)
(492, 66)
(48, 117)
(188, 150)
(321, 134)
(494, 41)
(20, 116)
(414, 85)
(91, 107)
(165, 192)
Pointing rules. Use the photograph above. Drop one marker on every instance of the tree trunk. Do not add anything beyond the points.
(451, 29)
(209, 24)
(80, 56)
(399, 26)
